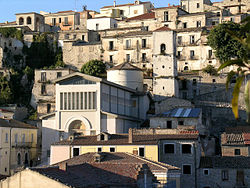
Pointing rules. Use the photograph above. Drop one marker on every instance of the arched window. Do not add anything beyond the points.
(163, 48)
(21, 21)
(29, 20)
(18, 159)
(186, 68)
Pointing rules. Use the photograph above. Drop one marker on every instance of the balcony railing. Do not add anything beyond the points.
(23, 144)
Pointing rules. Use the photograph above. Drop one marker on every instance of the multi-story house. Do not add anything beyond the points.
(126, 10)
(87, 105)
(18, 145)
(181, 148)
(43, 92)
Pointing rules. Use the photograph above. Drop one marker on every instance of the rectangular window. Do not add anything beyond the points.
(90, 100)
(205, 172)
(166, 16)
(179, 40)
(59, 74)
(60, 20)
(43, 77)
(236, 151)
(111, 45)
(65, 101)
(23, 138)
(191, 54)
(185, 25)
(169, 124)
(97, 27)
(48, 108)
(73, 101)
(192, 39)
(127, 57)
(61, 101)
(16, 138)
(210, 53)
(186, 169)
(94, 100)
(194, 82)
(32, 137)
(53, 21)
(128, 44)
(180, 122)
(99, 149)
(69, 101)
(169, 148)
(76, 152)
(112, 149)
(142, 152)
(144, 43)
(198, 24)
(66, 21)
(121, 12)
(83, 37)
(81, 100)
(85, 100)
(43, 89)
(111, 59)
(77, 100)
(198, 5)
(144, 57)
(6, 138)
(224, 175)
(186, 148)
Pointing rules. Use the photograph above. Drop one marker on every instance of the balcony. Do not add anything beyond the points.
(22, 145)
(193, 57)
(183, 44)
(181, 58)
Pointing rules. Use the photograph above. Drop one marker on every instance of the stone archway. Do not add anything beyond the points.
(78, 126)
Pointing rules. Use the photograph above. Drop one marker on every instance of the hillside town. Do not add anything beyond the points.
(131, 95)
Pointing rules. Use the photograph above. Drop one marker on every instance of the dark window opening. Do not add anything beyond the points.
(111, 59)
(48, 108)
(180, 122)
(169, 148)
(59, 74)
(144, 43)
(102, 137)
(186, 148)
(111, 45)
(29, 20)
(18, 159)
(224, 175)
(198, 5)
(169, 124)
(112, 149)
(53, 21)
(206, 172)
(43, 89)
(237, 152)
(75, 152)
(185, 25)
(186, 169)
(144, 57)
(141, 152)
(99, 149)
(166, 16)
(163, 48)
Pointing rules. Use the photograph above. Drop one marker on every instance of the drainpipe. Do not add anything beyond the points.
(145, 178)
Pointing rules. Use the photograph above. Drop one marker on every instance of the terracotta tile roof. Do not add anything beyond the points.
(122, 139)
(125, 66)
(128, 4)
(225, 162)
(246, 137)
(150, 15)
(164, 28)
(238, 129)
(66, 11)
(15, 124)
(114, 169)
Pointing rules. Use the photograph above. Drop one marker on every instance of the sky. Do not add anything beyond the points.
(8, 8)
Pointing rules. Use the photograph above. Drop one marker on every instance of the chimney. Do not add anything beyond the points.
(63, 166)
(169, 4)
(130, 136)
(135, 152)
(114, 3)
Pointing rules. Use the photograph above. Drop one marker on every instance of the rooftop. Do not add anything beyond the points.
(164, 28)
(150, 15)
(128, 4)
(181, 113)
(15, 124)
(113, 169)
(123, 139)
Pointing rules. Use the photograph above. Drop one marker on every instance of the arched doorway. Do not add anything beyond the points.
(18, 159)
(26, 160)
(76, 128)
(28, 20)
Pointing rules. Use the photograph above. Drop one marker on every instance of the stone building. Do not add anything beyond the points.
(219, 171)
(43, 92)
(193, 6)
(18, 145)
(234, 6)
(235, 142)
(101, 23)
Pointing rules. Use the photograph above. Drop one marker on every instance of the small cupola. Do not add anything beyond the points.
(103, 136)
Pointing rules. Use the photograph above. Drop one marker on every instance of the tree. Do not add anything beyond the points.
(94, 68)
(5, 91)
(210, 69)
(226, 46)
(243, 63)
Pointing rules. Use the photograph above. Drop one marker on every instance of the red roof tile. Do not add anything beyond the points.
(65, 11)
(164, 28)
(173, 6)
(128, 4)
(150, 15)
(246, 137)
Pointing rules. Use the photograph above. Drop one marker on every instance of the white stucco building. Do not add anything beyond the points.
(101, 23)
(87, 105)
